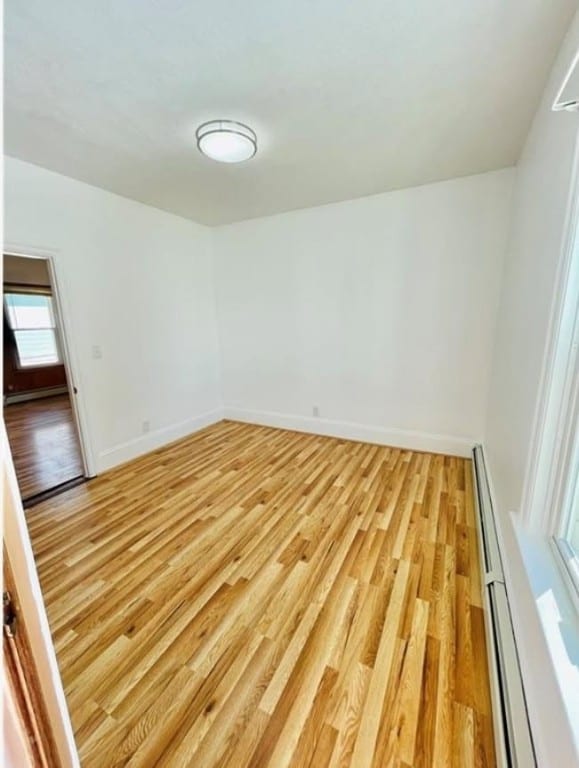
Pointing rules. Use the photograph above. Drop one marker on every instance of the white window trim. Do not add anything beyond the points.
(554, 427)
(567, 561)
(565, 459)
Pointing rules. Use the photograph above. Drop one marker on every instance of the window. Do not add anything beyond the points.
(568, 544)
(573, 532)
(551, 495)
(31, 318)
(566, 476)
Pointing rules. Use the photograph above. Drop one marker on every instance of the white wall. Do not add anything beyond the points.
(138, 283)
(540, 207)
(380, 311)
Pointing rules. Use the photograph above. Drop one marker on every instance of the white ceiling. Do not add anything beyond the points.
(347, 98)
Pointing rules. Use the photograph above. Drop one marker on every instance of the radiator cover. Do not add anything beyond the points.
(513, 738)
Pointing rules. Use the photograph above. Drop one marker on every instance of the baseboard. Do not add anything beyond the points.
(38, 394)
(153, 440)
(400, 438)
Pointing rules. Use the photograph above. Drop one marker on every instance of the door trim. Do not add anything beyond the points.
(71, 367)
(22, 679)
(32, 610)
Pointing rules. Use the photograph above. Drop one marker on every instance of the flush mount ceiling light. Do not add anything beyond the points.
(226, 141)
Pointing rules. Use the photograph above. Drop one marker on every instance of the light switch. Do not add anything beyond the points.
(97, 352)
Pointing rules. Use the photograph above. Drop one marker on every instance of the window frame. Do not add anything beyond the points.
(33, 290)
(567, 480)
(545, 502)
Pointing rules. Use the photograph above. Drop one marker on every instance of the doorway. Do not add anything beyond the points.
(39, 411)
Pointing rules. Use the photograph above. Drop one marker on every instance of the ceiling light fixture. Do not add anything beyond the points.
(226, 141)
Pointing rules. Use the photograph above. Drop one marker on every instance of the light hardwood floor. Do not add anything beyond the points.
(43, 443)
(256, 597)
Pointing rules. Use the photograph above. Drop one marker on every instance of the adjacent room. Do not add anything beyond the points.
(38, 407)
(291, 384)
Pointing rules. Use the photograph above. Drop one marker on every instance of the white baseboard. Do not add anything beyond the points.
(37, 394)
(400, 438)
(153, 440)
(417, 441)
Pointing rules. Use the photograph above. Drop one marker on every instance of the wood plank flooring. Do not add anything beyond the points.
(44, 443)
(255, 597)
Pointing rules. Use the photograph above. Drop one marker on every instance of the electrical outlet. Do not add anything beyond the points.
(316, 410)
(146, 426)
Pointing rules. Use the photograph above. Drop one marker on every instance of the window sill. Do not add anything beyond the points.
(569, 566)
(559, 620)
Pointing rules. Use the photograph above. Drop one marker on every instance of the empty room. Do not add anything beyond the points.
(290, 444)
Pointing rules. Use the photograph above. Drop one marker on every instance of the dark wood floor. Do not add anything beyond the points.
(44, 443)
(255, 598)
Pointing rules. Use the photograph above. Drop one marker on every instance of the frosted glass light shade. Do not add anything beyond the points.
(226, 141)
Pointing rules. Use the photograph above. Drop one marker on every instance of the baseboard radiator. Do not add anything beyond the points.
(36, 394)
(513, 739)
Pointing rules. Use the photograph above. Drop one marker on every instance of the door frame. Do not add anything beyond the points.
(22, 679)
(31, 611)
(62, 312)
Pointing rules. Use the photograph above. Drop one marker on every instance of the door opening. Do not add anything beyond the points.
(39, 408)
